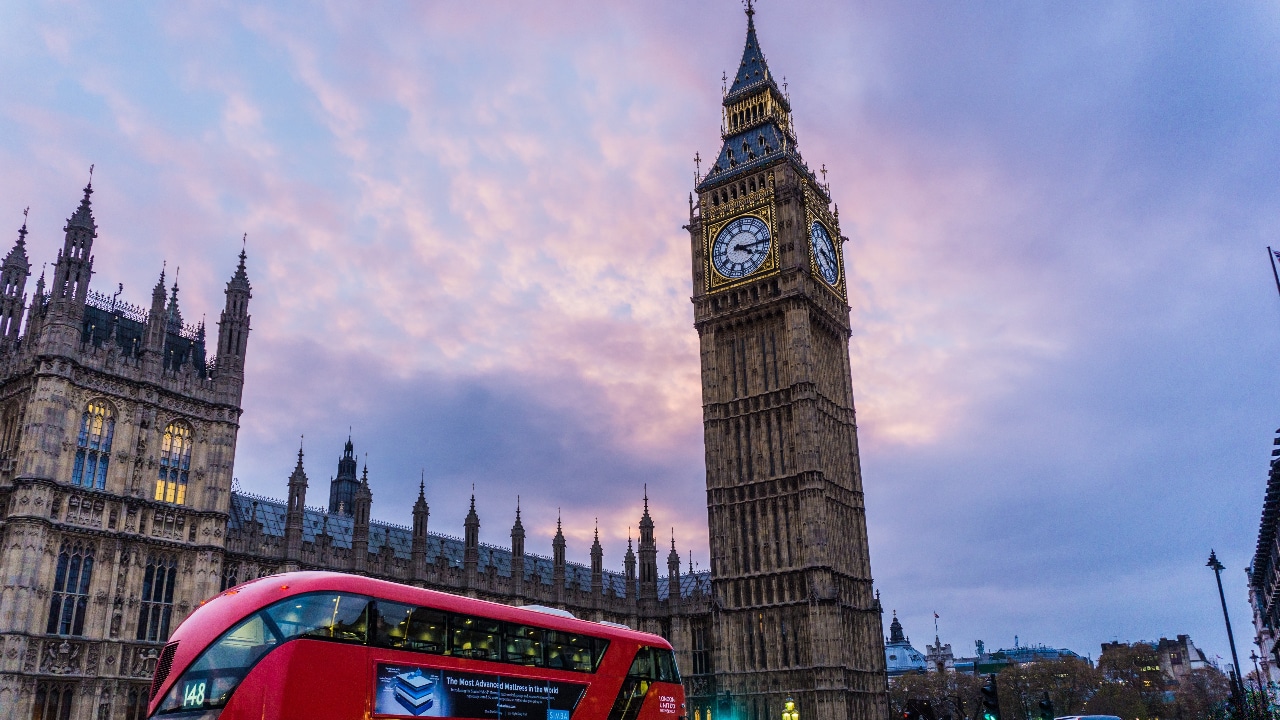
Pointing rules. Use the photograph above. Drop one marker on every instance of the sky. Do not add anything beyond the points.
(464, 237)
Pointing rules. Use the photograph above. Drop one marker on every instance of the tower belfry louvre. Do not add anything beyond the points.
(793, 609)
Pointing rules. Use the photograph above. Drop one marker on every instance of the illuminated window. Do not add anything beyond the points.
(93, 455)
(157, 598)
(71, 589)
(175, 463)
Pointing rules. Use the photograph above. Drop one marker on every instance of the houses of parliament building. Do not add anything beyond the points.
(118, 428)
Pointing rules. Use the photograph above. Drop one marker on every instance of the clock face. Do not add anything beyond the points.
(741, 247)
(824, 253)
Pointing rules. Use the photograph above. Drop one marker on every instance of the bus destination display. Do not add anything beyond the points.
(417, 691)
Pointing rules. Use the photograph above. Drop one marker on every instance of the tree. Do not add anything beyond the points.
(949, 694)
(1203, 693)
(1070, 682)
(1135, 671)
(1114, 698)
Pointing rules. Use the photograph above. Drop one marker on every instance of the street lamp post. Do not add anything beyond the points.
(1237, 686)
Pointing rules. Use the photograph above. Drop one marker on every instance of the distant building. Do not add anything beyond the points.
(993, 662)
(899, 657)
(1264, 572)
(939, 657)
(1165, 662)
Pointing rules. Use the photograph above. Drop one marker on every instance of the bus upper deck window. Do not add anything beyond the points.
(426, 631)
(475, 637)
(569, 651)
(335, 616)
(391, 627)
(523, 645)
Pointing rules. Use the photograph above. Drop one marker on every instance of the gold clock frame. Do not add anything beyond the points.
(762, 211)
(816, 211)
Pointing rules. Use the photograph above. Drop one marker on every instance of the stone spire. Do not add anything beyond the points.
(597, 563)
(673, 571)
(342, 488)
(648, 554)
(471, 540)
(557, 556)
(13, 282)
(418, 550)
(629, 565)
(233, 330)
(517, 553)
(294, 512)
(360, 530)
(74, 267)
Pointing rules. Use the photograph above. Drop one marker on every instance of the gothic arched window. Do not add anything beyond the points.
(175, 463)
(230, 575)
(71, 589)
(93, 455)
(157, 598)
(53, 701)
(136, 704)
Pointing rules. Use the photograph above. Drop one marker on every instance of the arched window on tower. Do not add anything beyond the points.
(175, 463)
(71, 582)
(93, 454)
(157, 598)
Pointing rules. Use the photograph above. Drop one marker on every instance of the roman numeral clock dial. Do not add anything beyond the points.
(824, 253)
(741, 247)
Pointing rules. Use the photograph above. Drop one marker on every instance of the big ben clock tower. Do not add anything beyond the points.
(791, 575)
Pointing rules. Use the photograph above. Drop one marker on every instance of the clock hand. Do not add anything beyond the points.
(744, 246)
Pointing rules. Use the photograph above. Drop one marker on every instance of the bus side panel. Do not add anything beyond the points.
(305, 680)
(664, 701)
(598, 700)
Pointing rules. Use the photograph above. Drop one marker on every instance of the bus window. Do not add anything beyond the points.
(598, 648)
(474, 637)
(335, 616)
(566, 651)
(392, 626)
(426, 631)
(665, 664)
(523, 645)
(642, 667)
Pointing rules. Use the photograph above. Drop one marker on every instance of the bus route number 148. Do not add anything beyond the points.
(193, 694)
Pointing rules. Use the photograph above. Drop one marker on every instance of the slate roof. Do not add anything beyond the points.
(753, 72)
(761, 144)
(271, 514)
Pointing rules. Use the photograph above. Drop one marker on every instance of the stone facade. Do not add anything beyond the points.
(117, 438)
(794, 612)
(1264, 574)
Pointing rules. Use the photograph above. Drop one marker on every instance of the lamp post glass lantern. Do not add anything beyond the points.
(789, 711)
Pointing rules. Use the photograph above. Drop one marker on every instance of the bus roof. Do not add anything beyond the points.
(230, 606)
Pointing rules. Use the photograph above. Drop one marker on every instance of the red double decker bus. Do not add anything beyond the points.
(315, 645)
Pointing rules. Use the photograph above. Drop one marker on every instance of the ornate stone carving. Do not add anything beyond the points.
(143, 662)
(60, 658)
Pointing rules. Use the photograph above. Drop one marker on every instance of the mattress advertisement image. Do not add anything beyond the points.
(413, 691)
